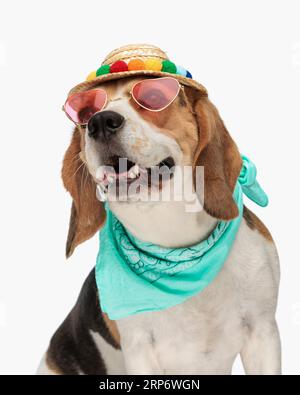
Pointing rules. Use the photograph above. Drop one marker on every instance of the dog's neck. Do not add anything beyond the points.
(167, 224)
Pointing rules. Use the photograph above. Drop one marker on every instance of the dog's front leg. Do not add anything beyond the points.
(138, 350)
(140, 359)
(261, 354)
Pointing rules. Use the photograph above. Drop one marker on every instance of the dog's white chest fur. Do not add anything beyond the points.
(205, 334)
(186, 338)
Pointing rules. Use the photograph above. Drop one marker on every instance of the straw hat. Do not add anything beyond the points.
(136, 60)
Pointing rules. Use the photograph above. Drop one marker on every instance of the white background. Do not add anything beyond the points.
(247, 54)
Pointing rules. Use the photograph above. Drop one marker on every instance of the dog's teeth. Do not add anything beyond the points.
(131, 174)
(134, 171)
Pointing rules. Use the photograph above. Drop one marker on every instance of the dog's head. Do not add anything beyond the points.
(189, 132)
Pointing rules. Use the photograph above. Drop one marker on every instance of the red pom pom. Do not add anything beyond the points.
(118, 67)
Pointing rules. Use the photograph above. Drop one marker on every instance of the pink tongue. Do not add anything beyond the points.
(116, 175)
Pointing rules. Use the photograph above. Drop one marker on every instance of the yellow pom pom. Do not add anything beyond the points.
(153, 64)
(136, 64)
(91, 76)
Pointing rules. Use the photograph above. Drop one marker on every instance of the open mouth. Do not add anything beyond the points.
(120, 170)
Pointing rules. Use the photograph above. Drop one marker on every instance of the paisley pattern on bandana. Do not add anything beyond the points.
(135, 277)
(152, 262)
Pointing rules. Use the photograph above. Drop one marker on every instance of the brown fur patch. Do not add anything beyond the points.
(195, 124)
(218, 154)
(204, 140)
(72, 349)
(87, 214)
(177, 122)
(52, 366)
(112, 327)
(255, 223)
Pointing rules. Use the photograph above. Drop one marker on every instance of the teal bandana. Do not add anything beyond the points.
(134, 276)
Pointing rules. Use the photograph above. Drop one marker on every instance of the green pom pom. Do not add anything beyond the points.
(169, 67)
(105, 69)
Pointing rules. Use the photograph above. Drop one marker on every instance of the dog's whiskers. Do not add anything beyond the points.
(76, 158)
(79, 167)
(87, 176)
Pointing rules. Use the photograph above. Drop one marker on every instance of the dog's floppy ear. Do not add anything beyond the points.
(220, 157)
(87, 213)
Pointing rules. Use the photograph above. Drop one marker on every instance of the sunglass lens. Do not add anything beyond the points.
(80, 107)
(156, 94)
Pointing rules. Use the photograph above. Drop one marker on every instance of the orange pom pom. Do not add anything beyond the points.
(136, 64)
(153, 64)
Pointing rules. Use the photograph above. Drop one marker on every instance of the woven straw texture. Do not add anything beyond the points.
(127, 53)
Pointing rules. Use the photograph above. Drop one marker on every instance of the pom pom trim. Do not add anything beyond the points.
(120, 66)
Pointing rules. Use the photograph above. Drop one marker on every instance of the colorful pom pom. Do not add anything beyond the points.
(105, 69)
(136, 64)
(181, 71)
(153, 64)
(91, 76)
(118, 67)
(169, 67)
(188, 75)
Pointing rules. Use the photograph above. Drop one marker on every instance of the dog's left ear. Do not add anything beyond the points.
(87, 213)
(218, 154)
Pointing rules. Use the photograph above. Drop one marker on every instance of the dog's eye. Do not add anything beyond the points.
(153, 98)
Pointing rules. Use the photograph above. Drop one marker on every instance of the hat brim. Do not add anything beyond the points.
(115, 76)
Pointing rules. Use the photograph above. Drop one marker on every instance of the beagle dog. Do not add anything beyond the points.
(234, 315)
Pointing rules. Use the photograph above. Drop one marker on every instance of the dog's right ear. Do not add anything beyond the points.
(87, 213)
(219, 155)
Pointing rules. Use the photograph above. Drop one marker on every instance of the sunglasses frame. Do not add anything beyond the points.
(85, 124)
(180, 87)
(155, 79)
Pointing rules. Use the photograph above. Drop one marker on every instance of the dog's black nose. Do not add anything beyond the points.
(104, 124)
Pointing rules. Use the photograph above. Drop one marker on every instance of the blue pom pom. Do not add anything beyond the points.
(181, 71)
(188, 75)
